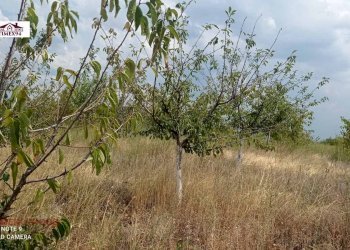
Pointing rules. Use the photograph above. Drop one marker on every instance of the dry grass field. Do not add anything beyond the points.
(277, 200)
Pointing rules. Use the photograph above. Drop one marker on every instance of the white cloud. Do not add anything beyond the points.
(341, 42)
(270, 23)
(339, 8)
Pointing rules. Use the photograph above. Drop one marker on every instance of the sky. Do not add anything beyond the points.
(319, 30)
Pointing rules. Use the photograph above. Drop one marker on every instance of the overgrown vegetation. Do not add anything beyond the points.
(279, 199)
(339, 147)
(155, 80)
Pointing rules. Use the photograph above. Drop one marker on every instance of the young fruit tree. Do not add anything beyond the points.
(203, 96)
(278, 108)
(39, 109)
(177, 102)
(268, 99)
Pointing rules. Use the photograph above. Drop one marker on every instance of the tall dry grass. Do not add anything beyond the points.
(277, 200)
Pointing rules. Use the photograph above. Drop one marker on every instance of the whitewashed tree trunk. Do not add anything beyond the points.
(239, 157)
(179, 187)
(268, 138)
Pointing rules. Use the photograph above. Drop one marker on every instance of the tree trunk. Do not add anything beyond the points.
(6, 67)
(268, 138)
(239, 157)
(179, 188)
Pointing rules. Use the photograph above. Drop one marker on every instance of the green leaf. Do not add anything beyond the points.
(14, 134)
(14, 172)
(106, 153)
(74, 24)
(174, 11)
(48, 20)
(38, 147)
(35, 149)
(104, 14)
(32, 16)
(70, 177)
(59, 73)
(54, 6)
(138, 17)
(160, 28)
(39, 196)
(131, 10)
(144, 26)
(24, 158)
(114, 95)
(75, 13)
(97, 161)
(56, 234)
(96, 66)
(45, 56)
(173, 32)
(66, 82)
(121, 81)
(61, 229)
(130, 68)
(5, 177)
(54, 185)
(72, 72)
(21, 94)
(111, 101)
(66, 224)
(152, 13)
(41, 145)
(111, 5)
(67, 142)
(60, 156)
(86, 131)
(7, 118)
(117, 7)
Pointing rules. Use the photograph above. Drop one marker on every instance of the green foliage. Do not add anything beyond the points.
(333, 141)
(39, 111)
(62, 18)
(332, 148)
(54, 185)
(345, 132)
(39, 240)
(272, 110)
(207, 97)
(268, 99)
(132, 11)
(100, 156)
(177, 107)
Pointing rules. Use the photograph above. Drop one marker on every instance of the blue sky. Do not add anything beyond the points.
(318, 29)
